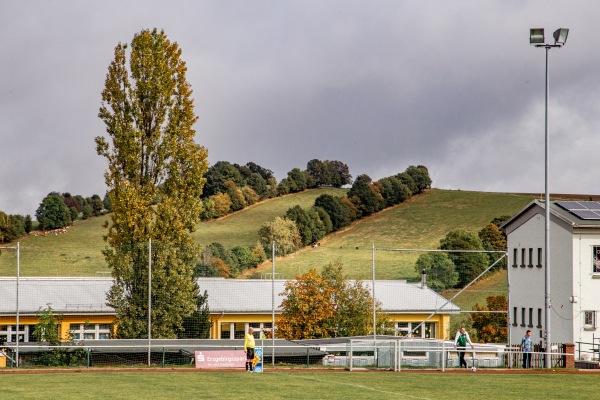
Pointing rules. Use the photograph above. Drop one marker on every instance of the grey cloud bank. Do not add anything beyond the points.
(378, 85)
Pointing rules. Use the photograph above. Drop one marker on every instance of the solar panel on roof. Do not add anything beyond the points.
(570, 205)
(586, 214)
(582, 209)
(591, 205)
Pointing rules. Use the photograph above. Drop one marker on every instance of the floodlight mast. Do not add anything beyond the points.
(536, 38)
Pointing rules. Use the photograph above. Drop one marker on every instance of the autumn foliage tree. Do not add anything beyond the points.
(327, 305)
(307, 308)
(155, 179)
(491, 327)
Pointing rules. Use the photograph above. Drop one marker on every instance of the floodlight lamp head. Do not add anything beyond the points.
(560, 36)
(536, 36)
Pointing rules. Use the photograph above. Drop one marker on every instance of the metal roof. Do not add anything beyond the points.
(70, 295)
(559, 212)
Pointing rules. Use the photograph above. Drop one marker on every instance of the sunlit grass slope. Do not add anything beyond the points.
(241, 228)
(417, 224)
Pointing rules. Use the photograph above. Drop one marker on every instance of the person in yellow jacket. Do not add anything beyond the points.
(249, 349)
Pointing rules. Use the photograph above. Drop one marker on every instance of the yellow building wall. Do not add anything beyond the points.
(442, 321)
(66, 322)
(218, 319)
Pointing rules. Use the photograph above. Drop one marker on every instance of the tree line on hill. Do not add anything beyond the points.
(56, 211)
(232, 187)
(303, 227)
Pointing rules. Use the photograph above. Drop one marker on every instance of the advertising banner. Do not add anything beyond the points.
(220, 359)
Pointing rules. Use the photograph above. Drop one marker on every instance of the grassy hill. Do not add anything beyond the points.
(78, 252)
(417, 224)
(241, 228)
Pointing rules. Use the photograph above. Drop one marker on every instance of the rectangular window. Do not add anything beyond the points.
(225, 330)
(514, 260)
(90, 331)
(596, 260)
(530, 318)
(523, 258)
(523, 316)
(515, 316)
(402, 328)
(414, 354)
(530, 265)
(406, 328)
(539, 258)
(429, 330)
(240, 330)
(539, 324)
(589, 320)
(8, 333)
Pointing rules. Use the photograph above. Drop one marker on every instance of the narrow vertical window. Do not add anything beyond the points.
(530, 265)
(596, 260)
(539, 319)
(514, 260)
(515, 316)
(539, 258)
(523, 316)
(523, 258)
(530, 318)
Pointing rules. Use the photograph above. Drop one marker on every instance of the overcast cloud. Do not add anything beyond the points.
(379, 85)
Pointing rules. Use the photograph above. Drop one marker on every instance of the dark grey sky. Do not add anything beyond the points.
(379, 85)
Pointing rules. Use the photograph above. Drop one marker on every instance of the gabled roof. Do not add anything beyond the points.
(557, 212)
(69, 295)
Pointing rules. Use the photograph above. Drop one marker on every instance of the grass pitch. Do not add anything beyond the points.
(297, 385)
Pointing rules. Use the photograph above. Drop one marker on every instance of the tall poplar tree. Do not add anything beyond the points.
(155, 179)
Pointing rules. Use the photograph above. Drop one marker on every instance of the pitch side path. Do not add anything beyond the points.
(188, 383)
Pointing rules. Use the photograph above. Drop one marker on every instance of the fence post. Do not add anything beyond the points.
(307, 357)
(89, 361)
(569, 350)
(443, 355)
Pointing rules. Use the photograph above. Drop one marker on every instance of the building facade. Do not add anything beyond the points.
(574, 272)
(234, 304)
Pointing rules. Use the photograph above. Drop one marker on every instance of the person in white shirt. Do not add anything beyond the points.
(460, 343)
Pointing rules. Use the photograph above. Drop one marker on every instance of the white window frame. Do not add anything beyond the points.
(589, 320)
(10, 333)
(413, 324)
(93, 331)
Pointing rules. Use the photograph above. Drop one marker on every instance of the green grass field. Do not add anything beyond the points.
(297, 385)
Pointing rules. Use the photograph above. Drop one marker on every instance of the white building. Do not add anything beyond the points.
(574, 271)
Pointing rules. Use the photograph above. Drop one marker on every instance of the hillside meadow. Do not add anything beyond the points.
(416, 224)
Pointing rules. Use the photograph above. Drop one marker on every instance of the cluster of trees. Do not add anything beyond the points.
(215, 260)
(232, 187)
(13, 226)
(326, 305)
(457, 269)
(329, 213)
(57, 210)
